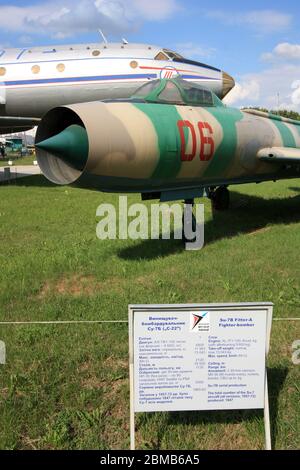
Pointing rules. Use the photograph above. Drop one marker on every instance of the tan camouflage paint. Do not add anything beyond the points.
(122, 140)
(142, 141)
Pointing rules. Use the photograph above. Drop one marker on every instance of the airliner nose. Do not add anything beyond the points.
(228, 84)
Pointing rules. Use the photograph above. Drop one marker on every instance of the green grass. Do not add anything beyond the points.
(67, 386)
(17, 160)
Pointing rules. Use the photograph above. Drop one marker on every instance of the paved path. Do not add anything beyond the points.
(18, 172)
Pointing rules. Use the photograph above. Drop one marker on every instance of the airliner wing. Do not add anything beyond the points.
(288, 155)
(8, 125)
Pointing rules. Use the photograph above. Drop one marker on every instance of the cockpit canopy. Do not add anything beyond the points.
(177, 91)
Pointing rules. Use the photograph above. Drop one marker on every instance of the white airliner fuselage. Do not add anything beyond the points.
(34, 80)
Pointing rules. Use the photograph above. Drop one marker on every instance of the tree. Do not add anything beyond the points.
(282, 112)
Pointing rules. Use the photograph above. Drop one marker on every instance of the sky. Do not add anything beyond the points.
(256, 42)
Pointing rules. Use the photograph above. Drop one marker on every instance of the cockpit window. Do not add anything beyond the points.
(146, 89)
(196, 95)
(194, 62)
(172, 55)
(171, 94)
(161, 56)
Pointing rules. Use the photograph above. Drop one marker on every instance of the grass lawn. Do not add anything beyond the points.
(67, 386)
(18, 161)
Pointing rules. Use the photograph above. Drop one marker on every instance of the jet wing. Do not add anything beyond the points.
(8, 125)
(288, 155)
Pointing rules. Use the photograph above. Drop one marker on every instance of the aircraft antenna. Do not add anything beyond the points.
(102, 34)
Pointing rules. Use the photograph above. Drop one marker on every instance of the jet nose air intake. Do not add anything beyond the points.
(228, 83)
(71, 145)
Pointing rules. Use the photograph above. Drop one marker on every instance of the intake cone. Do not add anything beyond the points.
(71, 145)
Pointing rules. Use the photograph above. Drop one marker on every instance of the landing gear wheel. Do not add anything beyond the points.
(220, 199)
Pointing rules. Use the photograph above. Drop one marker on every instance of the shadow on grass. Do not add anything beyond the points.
(249, 214)
(34, 181)
(276, 380)
(295, 189)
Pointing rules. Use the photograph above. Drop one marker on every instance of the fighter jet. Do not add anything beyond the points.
(33, 81)
(173, 140)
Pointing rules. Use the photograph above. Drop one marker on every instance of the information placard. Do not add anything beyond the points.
(211, 357)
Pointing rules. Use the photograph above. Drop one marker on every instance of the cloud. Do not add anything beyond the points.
(246, 90)
(192, 50)
(279, 82)
(260, 21)
(25, 40)
(283, 51)
(295, 97)
(66, 18)
(155, 10)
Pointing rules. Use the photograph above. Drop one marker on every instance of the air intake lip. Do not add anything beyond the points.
(62, 146)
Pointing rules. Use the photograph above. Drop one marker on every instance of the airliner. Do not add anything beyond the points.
(35, 80)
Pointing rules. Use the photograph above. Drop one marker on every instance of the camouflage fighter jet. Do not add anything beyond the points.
(173, 140)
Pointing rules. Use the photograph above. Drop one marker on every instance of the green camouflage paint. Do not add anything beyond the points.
(165, 120)
(286, 135)
(225, 153)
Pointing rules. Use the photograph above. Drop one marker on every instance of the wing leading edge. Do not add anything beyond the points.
(9, 125)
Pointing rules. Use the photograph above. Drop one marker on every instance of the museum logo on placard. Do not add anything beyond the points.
(200, 322)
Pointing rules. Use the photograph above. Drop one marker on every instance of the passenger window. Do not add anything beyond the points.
(2, 71)
(36, 69)
(60, 67)
(134, 64)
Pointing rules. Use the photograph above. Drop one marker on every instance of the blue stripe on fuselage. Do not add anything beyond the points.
(77, 79)
(45, 81)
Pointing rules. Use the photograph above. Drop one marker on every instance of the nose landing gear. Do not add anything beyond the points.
(220, 198)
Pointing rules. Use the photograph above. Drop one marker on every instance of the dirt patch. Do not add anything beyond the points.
(78, 285)
(85, 367)
(145, 281)
(93, 383)
(74, 285)
(4, 393)
(114, 363)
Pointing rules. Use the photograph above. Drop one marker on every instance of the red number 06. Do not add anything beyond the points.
(207, 144)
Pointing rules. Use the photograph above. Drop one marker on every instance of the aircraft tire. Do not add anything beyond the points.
(221, 199)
